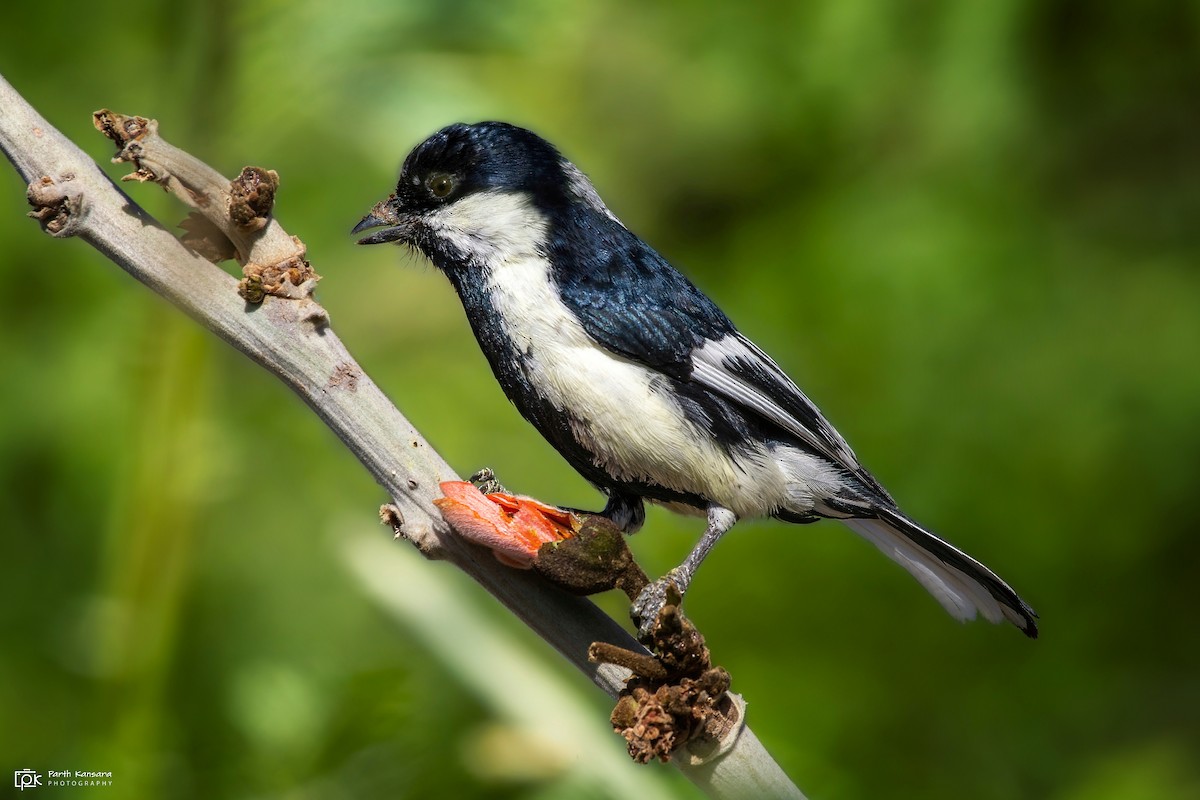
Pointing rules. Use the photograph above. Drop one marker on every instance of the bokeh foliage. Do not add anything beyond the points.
(969, 230)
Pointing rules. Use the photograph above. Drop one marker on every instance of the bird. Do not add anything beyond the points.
(641, 383)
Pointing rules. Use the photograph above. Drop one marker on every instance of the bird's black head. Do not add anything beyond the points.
(486, 155)
(460, 187)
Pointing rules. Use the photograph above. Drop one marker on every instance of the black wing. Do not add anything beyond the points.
(631, 301)
(738, 370)
(634, 303)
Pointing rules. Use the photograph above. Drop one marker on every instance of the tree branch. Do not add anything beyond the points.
(292, 339)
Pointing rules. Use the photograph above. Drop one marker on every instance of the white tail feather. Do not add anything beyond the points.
(961, 595)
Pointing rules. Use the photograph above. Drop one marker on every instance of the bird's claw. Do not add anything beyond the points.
(653, 599)
(485, 480)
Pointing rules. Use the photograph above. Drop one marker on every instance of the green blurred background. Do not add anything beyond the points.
(969, 230)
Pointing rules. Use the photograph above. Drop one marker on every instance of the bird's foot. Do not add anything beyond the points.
(485, 480)
(654, 597)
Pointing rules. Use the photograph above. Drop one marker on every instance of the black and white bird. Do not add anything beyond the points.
(632, 373)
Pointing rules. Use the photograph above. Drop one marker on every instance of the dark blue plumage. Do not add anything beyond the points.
(634, 303)
(635, 376)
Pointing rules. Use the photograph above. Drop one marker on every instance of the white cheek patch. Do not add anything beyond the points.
(491, 227)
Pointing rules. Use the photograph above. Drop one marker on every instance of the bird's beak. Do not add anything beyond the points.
(385, 212)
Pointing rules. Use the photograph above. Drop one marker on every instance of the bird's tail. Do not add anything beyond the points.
(961, 584)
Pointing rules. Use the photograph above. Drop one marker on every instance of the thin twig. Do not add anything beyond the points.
(291, 338)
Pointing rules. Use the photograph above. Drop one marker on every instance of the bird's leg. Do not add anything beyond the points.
(654, 596)
(627, 512)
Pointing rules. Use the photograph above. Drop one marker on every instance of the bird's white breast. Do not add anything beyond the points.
(622, 412)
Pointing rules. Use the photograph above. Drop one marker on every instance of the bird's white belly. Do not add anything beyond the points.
(622, 412)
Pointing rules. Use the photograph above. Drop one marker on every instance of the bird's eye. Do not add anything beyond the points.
(440, 185)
